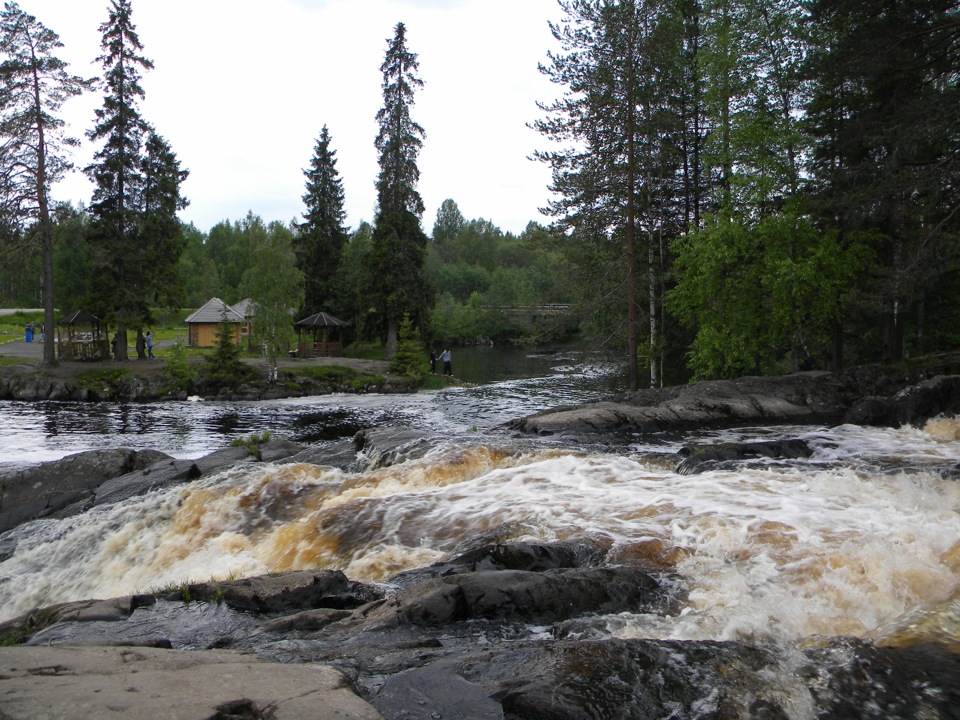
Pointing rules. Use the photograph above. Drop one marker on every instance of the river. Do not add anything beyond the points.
(861, 539)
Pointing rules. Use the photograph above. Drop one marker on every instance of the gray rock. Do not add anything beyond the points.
(912, 405)
(698, 459)
(811, 397)
(519, 595)
(89, 683)
(299, 590)
(51, 487)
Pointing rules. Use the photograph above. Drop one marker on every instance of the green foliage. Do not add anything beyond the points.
(252, 443)
(321, 237)
(102, 379)
(274, 284)
(409, 359)
(177, 367)
(224, 368)
(762, 298)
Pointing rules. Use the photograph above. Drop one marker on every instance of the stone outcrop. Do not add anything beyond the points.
(812, 397)
(802, 399)
(912, 405)
(101, 682)
(49, 488)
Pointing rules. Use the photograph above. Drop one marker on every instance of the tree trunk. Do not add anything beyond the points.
(391, 338)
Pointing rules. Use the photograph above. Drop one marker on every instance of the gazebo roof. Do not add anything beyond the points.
(78, 317)
(319, 320)
(213, 312)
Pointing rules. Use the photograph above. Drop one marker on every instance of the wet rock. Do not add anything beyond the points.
(301, 590)
(700, 458)
(534, 557)
(912, 405)
(51, 487)
(519, 595)
(382, 447)
(70, 682)
(810, 397)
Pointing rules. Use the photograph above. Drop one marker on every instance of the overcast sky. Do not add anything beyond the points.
(241, 88)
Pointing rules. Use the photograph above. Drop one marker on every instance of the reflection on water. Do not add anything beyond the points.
(529, 382)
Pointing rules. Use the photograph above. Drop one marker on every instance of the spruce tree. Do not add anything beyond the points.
(35, 84)
(118, 176)
(397, 283)
(322, 235)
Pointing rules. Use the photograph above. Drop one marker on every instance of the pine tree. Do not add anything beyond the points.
(322, 235)
(397, 282)
(33, 148)
(615, 179)
(118, 176)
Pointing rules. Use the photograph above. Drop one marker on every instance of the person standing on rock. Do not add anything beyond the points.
(433, 363)
(447, 366)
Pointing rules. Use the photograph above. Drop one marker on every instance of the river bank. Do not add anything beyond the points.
(145, 380)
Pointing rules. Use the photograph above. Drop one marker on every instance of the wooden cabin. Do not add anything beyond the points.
(203, 325)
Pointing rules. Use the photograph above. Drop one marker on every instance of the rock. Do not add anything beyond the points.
(51, 487)
(810, 397)
(698, 458)
(519, 595)
(534, 557)
(383, 447)
(300, 590)
(910, 406)
(89, 683)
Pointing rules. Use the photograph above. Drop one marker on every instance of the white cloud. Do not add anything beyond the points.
(241, 89)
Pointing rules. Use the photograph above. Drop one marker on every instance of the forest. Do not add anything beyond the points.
(738, 187)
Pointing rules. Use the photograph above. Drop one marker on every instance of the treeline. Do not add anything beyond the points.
(761, 186)
(739, 186)
(478, 272)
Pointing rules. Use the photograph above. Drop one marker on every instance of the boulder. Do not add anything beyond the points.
(508, 595)
(700, 458)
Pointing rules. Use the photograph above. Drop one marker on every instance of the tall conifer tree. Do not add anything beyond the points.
(136, 238)
(322, 235)
(35, 84)
(397, 282)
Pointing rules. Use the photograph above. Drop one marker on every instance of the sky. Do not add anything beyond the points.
(241, 89)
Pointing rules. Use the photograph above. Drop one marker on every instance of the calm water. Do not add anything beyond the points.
(503, 383)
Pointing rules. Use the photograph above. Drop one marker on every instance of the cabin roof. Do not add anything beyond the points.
(213, 312)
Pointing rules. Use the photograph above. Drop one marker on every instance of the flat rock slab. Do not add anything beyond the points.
(85, 683)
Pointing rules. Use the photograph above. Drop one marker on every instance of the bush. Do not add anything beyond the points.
(409, 359)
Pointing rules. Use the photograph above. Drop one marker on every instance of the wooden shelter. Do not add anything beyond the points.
(320, 335)
(202, 325)
(80, 336)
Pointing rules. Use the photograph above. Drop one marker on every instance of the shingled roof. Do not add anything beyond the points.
(213, 312)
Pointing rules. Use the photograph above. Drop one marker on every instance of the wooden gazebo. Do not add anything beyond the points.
(81, 336)
(320, 335)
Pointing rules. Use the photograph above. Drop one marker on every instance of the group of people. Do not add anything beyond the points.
(445, 358)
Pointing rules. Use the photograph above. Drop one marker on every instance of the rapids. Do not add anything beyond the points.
(861, 539)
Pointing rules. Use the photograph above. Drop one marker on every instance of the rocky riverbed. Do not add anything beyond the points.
(495, 629)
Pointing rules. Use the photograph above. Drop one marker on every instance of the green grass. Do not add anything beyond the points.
(102, 378)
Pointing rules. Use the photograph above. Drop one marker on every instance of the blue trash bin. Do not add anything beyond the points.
(29, 334)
